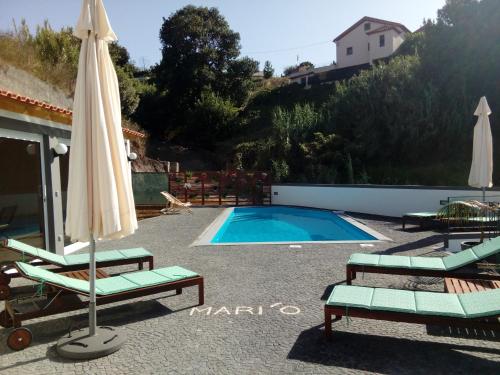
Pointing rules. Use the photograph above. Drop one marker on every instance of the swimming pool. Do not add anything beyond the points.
(281, 224)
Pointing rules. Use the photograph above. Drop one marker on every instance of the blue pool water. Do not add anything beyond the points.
(286, 224)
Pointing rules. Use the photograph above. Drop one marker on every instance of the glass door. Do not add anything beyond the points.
(23, 212)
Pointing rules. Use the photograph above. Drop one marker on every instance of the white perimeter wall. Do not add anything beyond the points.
(385, 201)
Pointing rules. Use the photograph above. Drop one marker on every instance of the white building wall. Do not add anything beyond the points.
(398, 40)
(385, 201)
(377, 52)
(358, 40)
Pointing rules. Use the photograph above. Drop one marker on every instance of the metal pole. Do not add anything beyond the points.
(484, 195)
(92, 302)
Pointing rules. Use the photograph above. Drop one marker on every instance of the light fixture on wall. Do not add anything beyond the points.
(31, 149)
(59, 149)
(132, 156)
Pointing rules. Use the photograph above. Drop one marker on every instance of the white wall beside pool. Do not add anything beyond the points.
(384, 201)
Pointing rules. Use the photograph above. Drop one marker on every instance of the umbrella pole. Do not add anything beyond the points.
(484, 194)
(91, 342)
(92, 302)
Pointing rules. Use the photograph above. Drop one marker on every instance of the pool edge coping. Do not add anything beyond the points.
(205, 238)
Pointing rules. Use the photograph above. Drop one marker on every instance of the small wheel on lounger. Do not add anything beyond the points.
(19, 339)
(4, 292)
(5, 319)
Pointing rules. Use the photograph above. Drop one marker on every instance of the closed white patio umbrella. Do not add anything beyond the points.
(481, 171)
(100, 201)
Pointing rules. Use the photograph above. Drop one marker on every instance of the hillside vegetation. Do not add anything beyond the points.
(408, 120)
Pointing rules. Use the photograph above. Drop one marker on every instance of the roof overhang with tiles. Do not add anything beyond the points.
(397, 25)
(27, 106)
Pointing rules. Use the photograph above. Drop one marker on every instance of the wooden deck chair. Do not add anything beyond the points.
(470, 310)
(57, 293)
(174, 205)
(12, 251)
(457, 265)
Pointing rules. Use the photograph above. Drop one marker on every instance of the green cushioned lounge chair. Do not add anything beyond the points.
(57, 292)
(420, 217)
(460, 310)
(12, 251)
(457, 265)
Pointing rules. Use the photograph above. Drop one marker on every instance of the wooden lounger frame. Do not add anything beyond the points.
(463, 272)
(338, 312)
(65, 299)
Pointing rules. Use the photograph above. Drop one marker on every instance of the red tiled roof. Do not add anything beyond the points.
(133, 133)
(376, 20)
(28, 100)
(53, 108)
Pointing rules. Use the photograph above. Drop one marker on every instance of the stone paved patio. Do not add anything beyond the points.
(166, 336)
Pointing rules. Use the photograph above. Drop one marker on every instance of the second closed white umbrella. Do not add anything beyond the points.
(481, 171)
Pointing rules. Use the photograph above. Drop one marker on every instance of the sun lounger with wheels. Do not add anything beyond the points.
(57, 293)
(12, 251)
(471, 310)
(456, 265)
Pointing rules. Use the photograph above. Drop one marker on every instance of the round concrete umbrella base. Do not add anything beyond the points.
(79, 345)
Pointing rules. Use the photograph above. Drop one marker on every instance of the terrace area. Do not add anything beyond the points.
(263, 313)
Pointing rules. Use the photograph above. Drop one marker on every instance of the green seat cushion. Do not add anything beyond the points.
(379, 260)
(77, 259)
(34, 252)
(397, 261)
(487, 248)
(467, 305)
(43, 275)
(393, 300)
(364, 259)
(175, 273)
(114, 284)
(442, 304)
(448, 263)
(351, 296)
(145, 278)
(431, 263)
(109, 285)
(459, 259)
(138, 252)
(107, 256)
(481, 304)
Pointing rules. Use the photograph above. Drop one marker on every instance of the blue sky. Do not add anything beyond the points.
(275, 30)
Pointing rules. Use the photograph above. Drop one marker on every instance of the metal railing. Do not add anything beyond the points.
(232, 188)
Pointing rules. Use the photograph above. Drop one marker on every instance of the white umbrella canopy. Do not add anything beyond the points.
(100, 200)
(481, 172)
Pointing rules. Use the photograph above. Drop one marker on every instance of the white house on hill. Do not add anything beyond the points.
(367, 40)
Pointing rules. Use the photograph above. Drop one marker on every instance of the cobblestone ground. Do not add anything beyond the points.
(268, 334)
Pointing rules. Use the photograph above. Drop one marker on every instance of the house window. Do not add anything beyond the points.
(349, 51)
(381, 40)
(368, 26)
